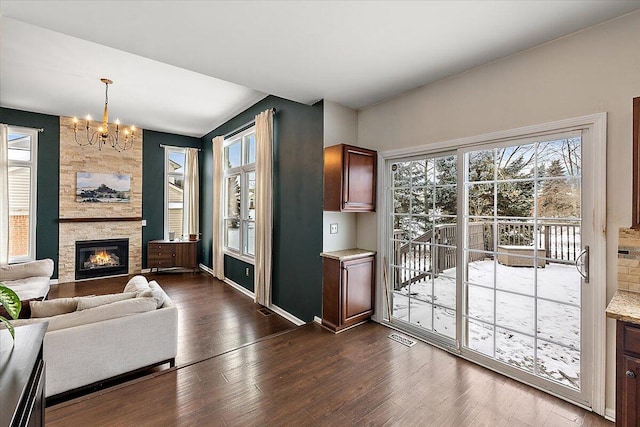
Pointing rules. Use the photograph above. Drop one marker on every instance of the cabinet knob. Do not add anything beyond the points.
(630, 374)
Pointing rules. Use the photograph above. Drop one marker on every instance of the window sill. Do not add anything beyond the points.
(20, 260)
(248, 260)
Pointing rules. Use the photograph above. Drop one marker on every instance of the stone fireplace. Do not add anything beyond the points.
(98, 258)
(83, 221)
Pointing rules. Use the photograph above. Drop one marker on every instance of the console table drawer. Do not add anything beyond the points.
(167, 254)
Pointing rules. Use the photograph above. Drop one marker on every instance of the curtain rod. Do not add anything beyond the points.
(174, 146)
(244, 126)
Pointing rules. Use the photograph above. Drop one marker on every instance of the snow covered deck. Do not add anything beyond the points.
(546, 333)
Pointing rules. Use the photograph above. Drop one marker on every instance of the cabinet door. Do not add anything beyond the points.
(357, 289)
(186, 255)
(359, 181)
(630, 371)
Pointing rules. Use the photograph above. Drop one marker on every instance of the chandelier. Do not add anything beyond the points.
(103, 135)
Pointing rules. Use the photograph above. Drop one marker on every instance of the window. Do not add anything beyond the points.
(174, 190)
(239, 194)
(22, 153)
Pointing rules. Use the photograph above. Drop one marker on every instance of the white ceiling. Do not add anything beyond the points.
(188, 66)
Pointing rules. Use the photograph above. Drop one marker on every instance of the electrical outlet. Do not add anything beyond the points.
(144, 222)
(333, 228)
(246, 271)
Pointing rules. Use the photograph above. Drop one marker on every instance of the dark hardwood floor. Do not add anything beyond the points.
(213, 317)
(310, 376)
(238, 367)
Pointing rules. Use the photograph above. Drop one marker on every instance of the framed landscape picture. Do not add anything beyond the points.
(103, 187)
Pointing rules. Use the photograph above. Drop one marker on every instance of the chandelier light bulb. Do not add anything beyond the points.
(102, 135)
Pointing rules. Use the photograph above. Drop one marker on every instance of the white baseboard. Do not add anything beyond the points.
(206, 269)
(240, 288)
(53, 281)
(317, 320)
(145, 270)
(290, 317)
(610, 414)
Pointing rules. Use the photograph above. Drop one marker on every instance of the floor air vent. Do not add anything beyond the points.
(402, 339)
(265, 311)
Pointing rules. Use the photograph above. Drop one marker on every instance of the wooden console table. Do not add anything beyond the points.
(22, 376)
(176, 253)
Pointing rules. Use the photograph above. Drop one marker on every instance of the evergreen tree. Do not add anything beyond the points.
(446, 191)
(558, 198)
(515, 199)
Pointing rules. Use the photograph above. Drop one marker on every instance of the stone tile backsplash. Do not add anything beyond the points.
(629, 259)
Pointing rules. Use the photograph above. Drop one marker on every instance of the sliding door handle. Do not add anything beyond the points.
(584, 272)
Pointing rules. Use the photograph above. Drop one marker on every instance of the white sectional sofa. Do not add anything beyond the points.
(132, 330)
(29, 280)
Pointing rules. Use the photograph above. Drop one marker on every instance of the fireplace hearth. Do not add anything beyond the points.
(100, 258)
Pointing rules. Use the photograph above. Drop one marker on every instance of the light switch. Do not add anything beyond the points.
(333, 228)
(144, 222)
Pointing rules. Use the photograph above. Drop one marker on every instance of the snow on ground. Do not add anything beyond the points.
(557, 320)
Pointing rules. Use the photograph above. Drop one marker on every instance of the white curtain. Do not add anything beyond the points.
(218, 237)
(264, 210)
(191, 211)
(4, 195)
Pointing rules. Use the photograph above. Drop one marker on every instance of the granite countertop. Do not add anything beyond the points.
(625, 306)
(348, 254)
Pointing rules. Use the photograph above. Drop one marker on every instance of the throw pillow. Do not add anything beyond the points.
(104, 312)
(25, 312)
(154, 292)
(85, 303)
(53, 307)
(39, 268)
(136, 284)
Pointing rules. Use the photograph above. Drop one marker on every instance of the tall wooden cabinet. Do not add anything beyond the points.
(627, 374)
(349, 179)
(347, 288)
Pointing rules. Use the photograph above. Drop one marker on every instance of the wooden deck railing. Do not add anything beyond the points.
(435, 251)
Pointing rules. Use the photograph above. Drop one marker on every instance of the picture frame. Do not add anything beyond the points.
(103, 187)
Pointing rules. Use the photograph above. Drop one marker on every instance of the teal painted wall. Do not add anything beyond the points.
(236, 270)
(48, 207)
(297, 203)
(153, 182)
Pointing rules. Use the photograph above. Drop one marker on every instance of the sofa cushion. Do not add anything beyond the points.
(154, 292)
(53, 307)
(29, 288)
(101, 313)
(96, 314)
(39, 268)
(25, 311)
(85, 303)
(136, 284)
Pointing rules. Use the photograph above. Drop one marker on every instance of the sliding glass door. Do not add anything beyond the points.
(495, 267)
(423, 265)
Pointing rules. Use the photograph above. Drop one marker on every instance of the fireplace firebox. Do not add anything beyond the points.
(99, 258)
